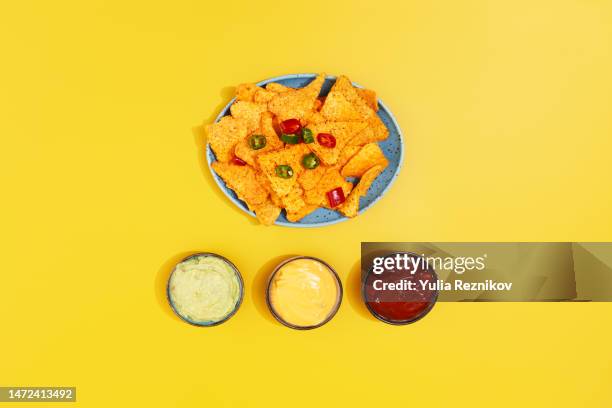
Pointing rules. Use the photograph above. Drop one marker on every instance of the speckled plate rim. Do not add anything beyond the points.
(239, 203)
(209, 323)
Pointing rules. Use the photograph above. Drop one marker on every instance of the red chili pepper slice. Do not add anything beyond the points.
(238, 161)
(290, 126)
(326, 140)
(336, 197)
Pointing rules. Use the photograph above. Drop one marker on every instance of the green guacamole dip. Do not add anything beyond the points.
(204, 288)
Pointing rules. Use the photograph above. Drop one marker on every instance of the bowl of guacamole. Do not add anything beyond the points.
(205, 289)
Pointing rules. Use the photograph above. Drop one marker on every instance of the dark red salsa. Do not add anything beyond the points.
(401, 295)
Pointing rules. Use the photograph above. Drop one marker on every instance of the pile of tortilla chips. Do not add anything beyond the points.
(347, 113)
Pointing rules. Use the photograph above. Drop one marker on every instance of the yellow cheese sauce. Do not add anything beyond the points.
(304, 292)
(204, 288)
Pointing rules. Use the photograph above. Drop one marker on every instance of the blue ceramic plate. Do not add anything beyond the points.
(393, 147)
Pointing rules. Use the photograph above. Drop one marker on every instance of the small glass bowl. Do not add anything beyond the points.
(209, 323)
(384, 319)
(334, 309)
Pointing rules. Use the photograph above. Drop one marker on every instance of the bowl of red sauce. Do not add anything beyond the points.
(403, 293)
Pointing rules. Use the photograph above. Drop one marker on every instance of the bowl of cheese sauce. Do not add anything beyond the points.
(304, 292)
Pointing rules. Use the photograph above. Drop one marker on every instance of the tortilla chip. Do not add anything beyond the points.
(268, 129)
(224, 135)
(249, 113)
(343, 132)
(243, 180)
(374, 132)
(350, 208)
(368, 178)
(263, 181)
(338, 108)
(297, 104)
(347, 187)
(245, 92)
(313, 118)
(368, 156)
(294, 201)
(331, 179)
(267, 213)
(298, 215)
(290, 155)
(263, 96)
(278, 88)
(311, 177)
(369, 97)
(243, 149)
(346, 154)
(275, 198)
(343, 103)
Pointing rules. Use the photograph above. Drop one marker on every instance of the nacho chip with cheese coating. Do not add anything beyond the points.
(367, 157)
(263, 181)
(278, 88)
(338, 108)
(263, 96)
(374, 132)
(347, 187)
(343, 132)
(297, 104)
(245, 92)
(224, 135)
(346, 154)
(249, 112)
(290, 156)
(268, 129)
(301, 213)
(294, 201)
(311, 177)
(243, 148)
(243, 180)
(350, 208)
(330, 180)
(369, 97)
(267, 213)
(244, 152)
(343, 103)
(275, 198)
(314, 117)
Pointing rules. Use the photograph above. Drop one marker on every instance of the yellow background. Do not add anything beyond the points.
(506, 109)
